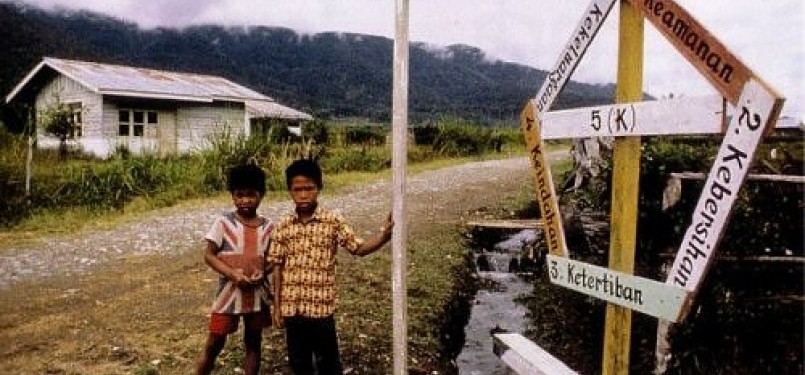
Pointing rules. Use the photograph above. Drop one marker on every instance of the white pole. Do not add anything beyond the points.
(398, 163)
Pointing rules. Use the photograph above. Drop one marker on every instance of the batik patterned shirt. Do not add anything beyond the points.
(241, 247)
(307, 253)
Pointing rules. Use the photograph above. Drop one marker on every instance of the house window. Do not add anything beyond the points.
(132, 122)
(124, 121)
(77, 120)
(139, 120)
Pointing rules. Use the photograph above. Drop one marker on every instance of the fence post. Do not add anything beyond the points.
(625, 181)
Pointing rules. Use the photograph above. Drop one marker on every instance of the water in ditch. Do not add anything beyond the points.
(502, 281)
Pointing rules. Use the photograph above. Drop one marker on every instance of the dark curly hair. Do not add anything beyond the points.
(246, 176)
(304, 167)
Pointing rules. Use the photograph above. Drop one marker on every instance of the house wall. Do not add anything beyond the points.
(183, 126)
(197, 122)
(66, 90)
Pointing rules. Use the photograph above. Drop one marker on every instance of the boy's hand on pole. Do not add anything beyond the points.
(387, 227)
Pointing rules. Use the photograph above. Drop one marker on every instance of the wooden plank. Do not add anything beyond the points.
(704, 51)
(633, 292)
(758, 109)
(686, 115)
(662, 347)
(507, 224)
(571, 54)
(543, 184)
(399, 261)
(525, 357)
(625, 185)
(750, 177)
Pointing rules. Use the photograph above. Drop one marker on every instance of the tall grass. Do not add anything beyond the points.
(12, 173)
(88, 184)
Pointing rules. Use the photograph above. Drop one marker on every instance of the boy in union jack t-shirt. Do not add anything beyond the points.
(235, 248)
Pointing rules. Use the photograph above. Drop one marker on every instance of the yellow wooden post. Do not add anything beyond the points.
(625, 179)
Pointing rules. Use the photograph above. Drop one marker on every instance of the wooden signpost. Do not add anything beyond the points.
(546, 196)
(688, 115)
(647, 296)
(706, 53)
(726, 176)
(756, 107)
(625, 182)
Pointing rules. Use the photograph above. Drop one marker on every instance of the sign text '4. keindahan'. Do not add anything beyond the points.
(548, 204)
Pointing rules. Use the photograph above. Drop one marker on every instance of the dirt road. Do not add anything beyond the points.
(133, 298)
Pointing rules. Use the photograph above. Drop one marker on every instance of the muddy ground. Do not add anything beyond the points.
(133, 299)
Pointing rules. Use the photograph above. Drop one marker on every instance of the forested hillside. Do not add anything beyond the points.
(332, 75)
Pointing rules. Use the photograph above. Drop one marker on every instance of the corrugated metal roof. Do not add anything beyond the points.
(271, 109)
(122, 80)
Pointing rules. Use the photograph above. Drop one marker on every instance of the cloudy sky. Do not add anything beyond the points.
(766, 35)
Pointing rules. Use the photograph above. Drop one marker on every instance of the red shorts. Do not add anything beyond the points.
(224, 324)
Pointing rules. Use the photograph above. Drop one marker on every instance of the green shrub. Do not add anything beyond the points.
(365, 135)
(456, 139)
(318, 131)
(369, 159)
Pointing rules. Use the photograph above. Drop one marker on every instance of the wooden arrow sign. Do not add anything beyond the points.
(688, 115)
(637, 293)
(574, 50)
(758, 109)
(706, 53)
(546, 196)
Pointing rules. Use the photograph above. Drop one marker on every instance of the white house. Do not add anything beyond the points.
(144, 110)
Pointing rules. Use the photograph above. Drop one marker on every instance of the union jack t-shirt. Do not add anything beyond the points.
(241, 247)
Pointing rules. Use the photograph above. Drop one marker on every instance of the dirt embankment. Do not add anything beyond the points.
(133, 299)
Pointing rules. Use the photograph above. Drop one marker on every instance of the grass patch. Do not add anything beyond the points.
(437, 265)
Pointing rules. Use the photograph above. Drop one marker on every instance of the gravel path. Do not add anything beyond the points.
(172, 230)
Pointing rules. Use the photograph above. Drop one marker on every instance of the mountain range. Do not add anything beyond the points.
(331, 75)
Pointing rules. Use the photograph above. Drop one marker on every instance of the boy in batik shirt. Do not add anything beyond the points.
(303, 256)
(235, 247)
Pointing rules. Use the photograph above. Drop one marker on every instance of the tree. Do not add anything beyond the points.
(57, 120)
